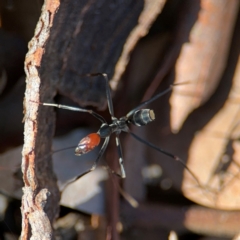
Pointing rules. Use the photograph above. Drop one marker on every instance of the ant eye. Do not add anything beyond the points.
(87, 144)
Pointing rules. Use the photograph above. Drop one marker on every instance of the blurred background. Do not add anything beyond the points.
(144, 47)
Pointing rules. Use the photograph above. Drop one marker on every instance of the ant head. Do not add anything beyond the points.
(142, 117)
(87, 144)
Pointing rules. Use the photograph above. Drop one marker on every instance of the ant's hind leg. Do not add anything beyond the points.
(119, 148)
(101, 152)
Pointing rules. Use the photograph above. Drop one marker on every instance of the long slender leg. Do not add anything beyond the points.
(77, 109)
(125, 195)
(102, 150)
(165, 153)
(119, 148)
(122, 170)
(108, 91)
(108, 94)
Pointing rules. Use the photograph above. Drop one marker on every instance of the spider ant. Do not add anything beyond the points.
(137, 116)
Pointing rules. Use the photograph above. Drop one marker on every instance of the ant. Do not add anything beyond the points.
(138, 116)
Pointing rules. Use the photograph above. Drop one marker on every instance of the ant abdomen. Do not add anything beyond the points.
(87, 144)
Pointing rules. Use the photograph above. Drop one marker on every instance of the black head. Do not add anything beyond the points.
(142, 117)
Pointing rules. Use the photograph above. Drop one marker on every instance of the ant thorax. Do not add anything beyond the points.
(120, 125)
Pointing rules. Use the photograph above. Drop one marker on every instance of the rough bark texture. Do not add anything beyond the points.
(41, 195)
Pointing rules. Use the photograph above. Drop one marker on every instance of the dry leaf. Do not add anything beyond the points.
(202, 60)
(220, 187)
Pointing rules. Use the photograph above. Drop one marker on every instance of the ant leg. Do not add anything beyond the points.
(166, 153)
(77, 109)
(119, 148)
(124, 194)
(108, 91)
(102, 150)
(122, 170)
